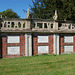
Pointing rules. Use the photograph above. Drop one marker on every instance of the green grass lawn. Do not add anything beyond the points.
(39, 65)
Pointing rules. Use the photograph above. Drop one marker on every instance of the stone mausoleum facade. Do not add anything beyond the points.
(27, 37)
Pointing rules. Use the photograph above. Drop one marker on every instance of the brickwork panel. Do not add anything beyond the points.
(36, 44)
(5, 45)
(62, 43)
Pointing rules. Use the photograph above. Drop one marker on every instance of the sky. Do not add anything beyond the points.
(16, 5)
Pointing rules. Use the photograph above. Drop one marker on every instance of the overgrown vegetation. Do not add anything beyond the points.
(9, 13)
(39, 65)
(45, 9)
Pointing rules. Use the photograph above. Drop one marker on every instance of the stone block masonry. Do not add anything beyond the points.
(27, 37)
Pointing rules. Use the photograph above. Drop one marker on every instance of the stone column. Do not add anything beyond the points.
(56, 44)
(6, 24)
(26, 51)
(43, 25)
(27, 24)
(55, 25)
(28, 44)
(71, 26)
(21, 25)
(14, 25)
(10, 24)
(35, 24)
(49, 26)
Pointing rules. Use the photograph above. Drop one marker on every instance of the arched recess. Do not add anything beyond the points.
(19, 24)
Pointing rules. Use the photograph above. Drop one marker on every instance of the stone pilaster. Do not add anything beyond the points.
(56, 44)
(28, 44)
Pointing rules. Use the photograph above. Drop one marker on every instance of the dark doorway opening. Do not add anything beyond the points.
(0, 46)
(0, 42)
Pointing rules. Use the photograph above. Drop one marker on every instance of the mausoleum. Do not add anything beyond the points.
(27, 37)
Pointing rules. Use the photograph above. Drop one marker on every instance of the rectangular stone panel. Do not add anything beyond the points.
(13, 50)
(43, 49)
(42, 39)
(68, 49)
(13, 39)
(68, 39)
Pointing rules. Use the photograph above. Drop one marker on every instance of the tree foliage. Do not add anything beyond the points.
(9, 13)
(45, 9)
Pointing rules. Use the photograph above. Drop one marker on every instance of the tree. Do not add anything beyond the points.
(9, 13)
(45, 9)
(69, 9)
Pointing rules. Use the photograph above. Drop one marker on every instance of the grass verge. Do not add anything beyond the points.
(39, 65)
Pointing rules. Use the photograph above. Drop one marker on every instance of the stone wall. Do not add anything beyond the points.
(38, 43)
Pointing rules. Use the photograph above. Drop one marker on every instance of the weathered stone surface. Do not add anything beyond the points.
(42, 39)
(68, 49)
(43, 49)
(13, 39)
(33, 25)
(13, 50)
